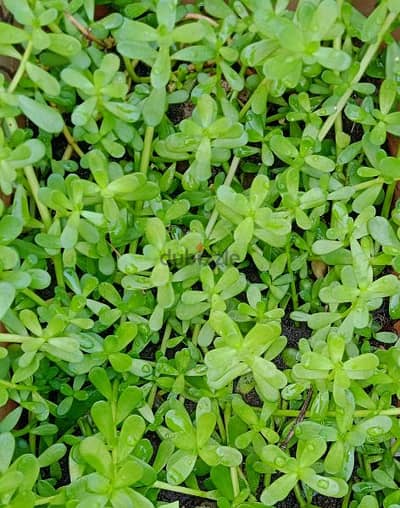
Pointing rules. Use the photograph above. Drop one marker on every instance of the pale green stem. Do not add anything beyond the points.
(21, 68)
(369, 55)
(184, 490)
(360, 413)
(13, 386)
(163, 349)
(249, 102)
(32, 180)
(235, 481)
(34, 297)
(228, 180)
(147, 150)
(299, 496)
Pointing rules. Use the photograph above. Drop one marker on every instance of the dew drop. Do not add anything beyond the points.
(279, 462)
(375, 431)
(323, 484)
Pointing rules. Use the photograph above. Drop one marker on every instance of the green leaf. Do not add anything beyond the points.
(390, 169)
(64, 44)
(166, 13)
(188, 33)
(388, 285)
(43, 116)
(10, 34)
(195, 54)
(7, 447)
(26, 153)
(135, 31)
(83, 113)
(138, 50)
(10, 228)
(382, 232)
(366, 198)
(43, 79)
(20, 10)
(279, 489)
(154, 107)
(7, 295)
(321, 163)
(179, 466)
(329, 487)
(52, 455)
(95, 453)
(161, 69)
(334, 59)
(235, 81)
(310, 451)
(131, 433)
(322, 247)
(217, 8)
(98, 377)
(103, 418)
(205, 427)
(283, 148)
(387, 95)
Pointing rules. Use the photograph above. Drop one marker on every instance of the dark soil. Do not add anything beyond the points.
(186, 501)
(178, 112)
(382, 319)
(294, 330)
(252, 399)
(320, 501)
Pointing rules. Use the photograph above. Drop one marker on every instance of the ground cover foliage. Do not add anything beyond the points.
(199, 254)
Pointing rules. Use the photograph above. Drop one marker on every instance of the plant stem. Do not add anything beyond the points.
(144, 165)
(32, 181)
(130, 69)
(235, 481)
(86, 32)
(21, 68)
(234, 164)
(147, 150)
(360, 413)
(387, 204)
(228, 180)
(71, 141)
(46, 500)
(195, 334)
(165, 339)
(13, 386)
(299, 496)
(163, 349)
(395, 447)
(299, 419)
(368, 184)
(59, 270)
(67, 153)
(369, 55)
(34, 297)
(184, 490)
(346, 499)
(194, 15)
(295, 298)
(249, 102)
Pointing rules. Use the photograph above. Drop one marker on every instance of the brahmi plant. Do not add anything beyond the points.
(199, 254)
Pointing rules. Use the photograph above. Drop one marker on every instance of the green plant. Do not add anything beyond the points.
(199, 254)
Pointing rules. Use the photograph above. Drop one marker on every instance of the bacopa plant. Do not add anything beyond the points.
(199, 254)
